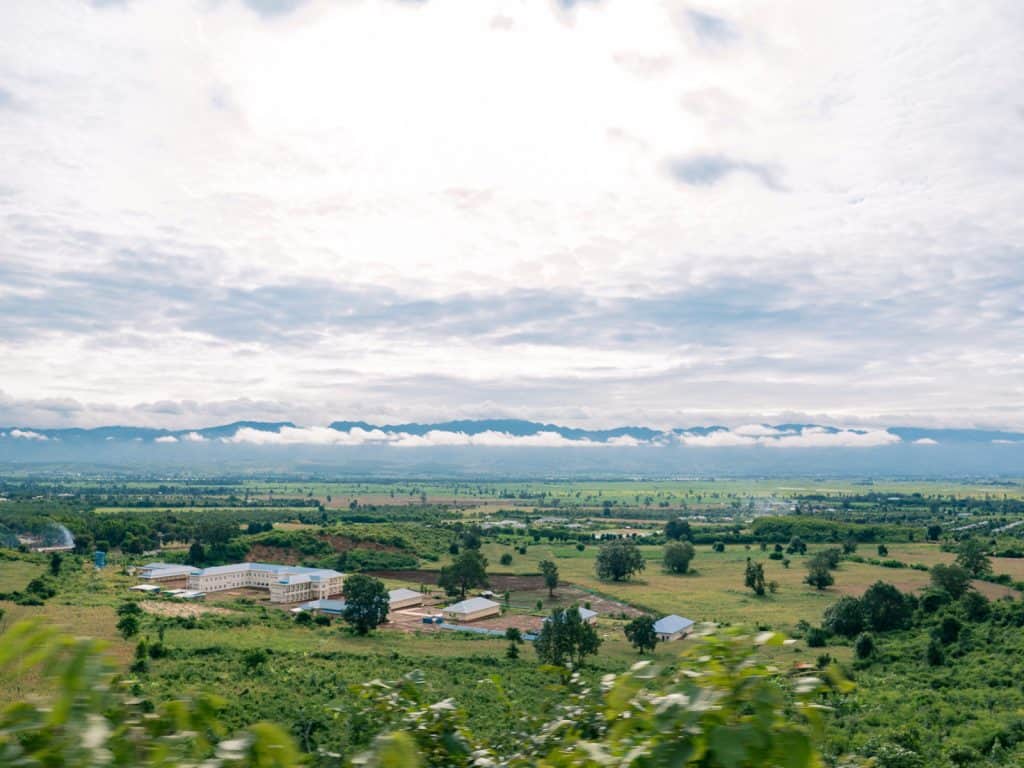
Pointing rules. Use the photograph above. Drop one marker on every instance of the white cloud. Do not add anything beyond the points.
(816, 437)
(166, 439)
(769, 274)
(27, 434)
(493, 439)
(757, 430)
(717, 439)
(431, 439)
(808, 437)
(307, 436)
(194, 437)
(926, 441)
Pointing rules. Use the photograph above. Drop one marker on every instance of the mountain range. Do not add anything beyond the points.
(518, 448)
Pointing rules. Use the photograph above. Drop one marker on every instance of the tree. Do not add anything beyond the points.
(885, 607)
(55, 563)
(883, 551)
(678, 555)
(796, 546)
(565, 639)
(468, 571)
(640, 632)
(718, 546)
(844, 617)
(972, 558)
(471, 539)
(831, 556)
(618, 560)
(818, 574)
(864, 645)
(678, 529)
(366, 603)
(849, 546)
(128, 625)
(934, 655)
(975, 606)
(954, 579)
(196, 554)
(754, 577)
(512, 652)
(949, 629)
(506, 559)
(550, 572)
(934, 532)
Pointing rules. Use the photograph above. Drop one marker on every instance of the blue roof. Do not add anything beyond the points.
(286, 570)
(671, 624)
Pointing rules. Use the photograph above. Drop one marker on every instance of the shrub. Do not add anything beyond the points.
(845, 617)
(949, 629)
(816, 637)
(255, 657)
(885, 607)
(677, 556)
(864, 645)
(975, 606)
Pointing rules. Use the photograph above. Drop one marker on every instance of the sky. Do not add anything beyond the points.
(587, 212)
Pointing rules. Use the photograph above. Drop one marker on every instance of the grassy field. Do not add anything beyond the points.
(693, 492)
(714, 590)
(15, 574)
(186, 509)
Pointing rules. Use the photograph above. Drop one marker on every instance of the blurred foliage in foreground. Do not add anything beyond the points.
(720, 708)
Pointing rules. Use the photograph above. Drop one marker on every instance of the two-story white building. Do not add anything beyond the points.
(286, 583)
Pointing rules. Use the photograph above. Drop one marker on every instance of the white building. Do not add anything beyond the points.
(166, 571)
(672, 627)
(473, 609)
(404, 598)
(287, 583)
(587, 616)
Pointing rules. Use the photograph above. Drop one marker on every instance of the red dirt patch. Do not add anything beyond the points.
(262, 553)
(499, 581)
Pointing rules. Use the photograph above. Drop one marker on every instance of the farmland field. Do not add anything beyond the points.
(406, 532)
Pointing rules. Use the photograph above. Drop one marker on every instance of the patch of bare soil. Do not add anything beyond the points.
(603, 605)
(499, 581)
(261, 553)
(183, 610)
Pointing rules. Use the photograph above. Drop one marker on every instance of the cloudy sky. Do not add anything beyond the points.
(591, 212)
